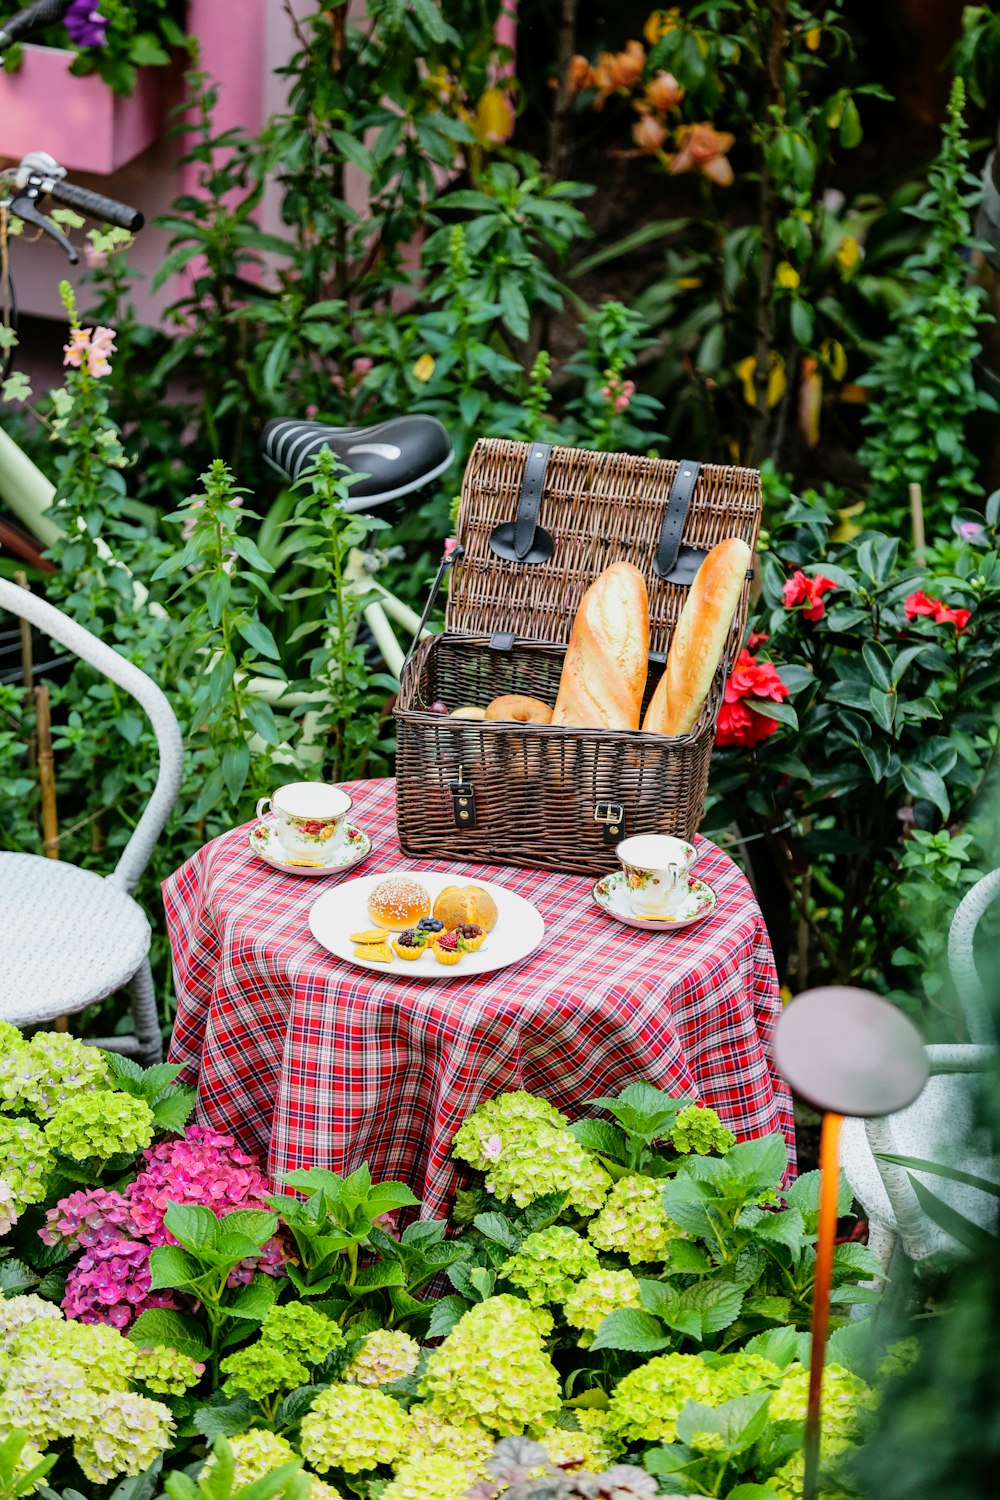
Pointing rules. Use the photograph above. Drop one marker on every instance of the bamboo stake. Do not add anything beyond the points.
(917, 516)
(46, 773)
(829, 1160)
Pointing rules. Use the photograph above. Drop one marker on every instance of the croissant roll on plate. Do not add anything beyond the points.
(604, 673)
(699, 639)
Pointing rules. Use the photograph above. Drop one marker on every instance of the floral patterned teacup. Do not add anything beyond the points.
(308, 818)
(656, 871)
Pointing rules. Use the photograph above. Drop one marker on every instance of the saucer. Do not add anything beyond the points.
(611, 895)
(263, 840)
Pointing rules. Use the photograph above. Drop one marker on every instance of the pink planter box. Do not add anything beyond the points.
(79, 121)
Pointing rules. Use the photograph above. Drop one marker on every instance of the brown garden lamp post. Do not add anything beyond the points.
(845, 1052)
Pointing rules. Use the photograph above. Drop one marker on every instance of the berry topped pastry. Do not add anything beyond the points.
(411, 943)
(471, 936)
(430, 924)
(447, 948)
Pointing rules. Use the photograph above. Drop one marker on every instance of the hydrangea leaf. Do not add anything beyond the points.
(174, 1330)
(633, 1331)
(718, 1302)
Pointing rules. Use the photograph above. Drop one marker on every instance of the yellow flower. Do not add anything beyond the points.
(845, 530)
(776, 381)
(689, 283)
(787, 276)
(424, 368)
(659, 23)
(832, 354)
(812, 38)
(494, 120)
(848, 255)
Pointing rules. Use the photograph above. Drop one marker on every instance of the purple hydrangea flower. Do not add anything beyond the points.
(85, 24)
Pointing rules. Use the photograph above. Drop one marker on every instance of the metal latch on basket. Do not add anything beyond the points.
(674, 563)
(463, 801)
(523, 540)
(611, 816)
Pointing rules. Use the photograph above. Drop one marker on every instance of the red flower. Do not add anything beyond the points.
(738, 724)
(923, 604)
(809, 591)
(756, 638)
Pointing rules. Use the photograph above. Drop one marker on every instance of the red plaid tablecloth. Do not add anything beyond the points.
(316, 1063)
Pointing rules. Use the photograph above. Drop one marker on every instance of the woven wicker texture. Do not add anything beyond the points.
(537, 792)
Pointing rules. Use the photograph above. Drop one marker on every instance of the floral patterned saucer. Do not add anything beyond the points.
(263, 841)
(611, 895)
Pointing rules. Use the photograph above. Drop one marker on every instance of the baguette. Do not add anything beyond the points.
(699, 639)
(604, 673)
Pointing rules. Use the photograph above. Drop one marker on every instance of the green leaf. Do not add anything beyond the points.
(16, 1277)
(739, 1422)
(718, 1302)
(159, 1327)
(979, 1241)
(259, 637)
(801, 318)
(782, 1346)
(235, 769)
(514, 308)
(217, 595)
(633, 1331)
(386, 1197)
(225, 1420)
(170, 1266)
(173, 1110)
(853, 1347)
(953, 1174)
(251, 553)
(255, 1300)
(353, 151)
(498, 1228)
(922, 781)
(757, 1164)
(195, 1227)
(785, 1228)
(601, 1137)
(879, 664)
(430, 20)
(883, 707)
(445, 1313)
(805, 1190)
(855, 1260)
(850, 125)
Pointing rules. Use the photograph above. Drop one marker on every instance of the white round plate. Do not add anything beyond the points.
(263, 840)
(338, 913)
(611, 895)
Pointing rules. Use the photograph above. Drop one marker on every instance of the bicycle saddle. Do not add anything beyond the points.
(397, 456)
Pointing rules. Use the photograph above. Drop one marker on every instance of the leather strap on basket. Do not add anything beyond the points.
(523, 540)
(669, 546)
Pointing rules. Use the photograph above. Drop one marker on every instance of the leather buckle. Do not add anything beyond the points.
(610, 816)
(463, 802)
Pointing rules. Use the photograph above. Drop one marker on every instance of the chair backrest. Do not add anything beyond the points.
(978, 1006)
(117, 669)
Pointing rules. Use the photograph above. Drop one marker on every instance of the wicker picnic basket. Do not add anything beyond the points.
(553, 797)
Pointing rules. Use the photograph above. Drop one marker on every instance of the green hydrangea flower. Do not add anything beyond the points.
(42, 1074)
(431, 1434)
(129, 1433)
(300, 1331)
(353, 1428)
(48, 1398)
(844, 1395)
(17, 1313)
(634, 1221)
(700, 1131)
(166, 1371)
(100, 1125)
(257, 1453)
(437, 1478)
(549, 1263)
(521, 1144)
(786, 1482)
(595, 1423)
(261, 1370)
(599, 1293)
(105, 1357)
(27, 1160)
(384, 1357)
(646, 1402)
(492, 1368)
(707, 1442)
(897, 1359)
(581, 1450)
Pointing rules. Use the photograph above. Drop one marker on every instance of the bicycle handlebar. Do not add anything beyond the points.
(96, 206)
(33, 18)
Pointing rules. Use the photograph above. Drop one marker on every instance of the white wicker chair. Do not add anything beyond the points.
(941, 1126)
(69, 937)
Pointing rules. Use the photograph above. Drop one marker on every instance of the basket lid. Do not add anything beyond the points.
(599, 508)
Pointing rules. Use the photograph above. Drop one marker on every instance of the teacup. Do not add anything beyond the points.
(308, 818)
(656, 873)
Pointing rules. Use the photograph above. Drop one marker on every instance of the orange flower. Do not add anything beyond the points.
(649, 133)
(626, 67)
(663, 92)
(580, 75)
(703, 149)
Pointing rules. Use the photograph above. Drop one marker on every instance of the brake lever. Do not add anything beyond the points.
(23, 206)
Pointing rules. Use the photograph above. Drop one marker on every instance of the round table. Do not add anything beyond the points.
(315, 1062)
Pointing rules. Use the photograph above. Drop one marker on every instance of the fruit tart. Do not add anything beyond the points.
(471, 936)
(411, 943)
